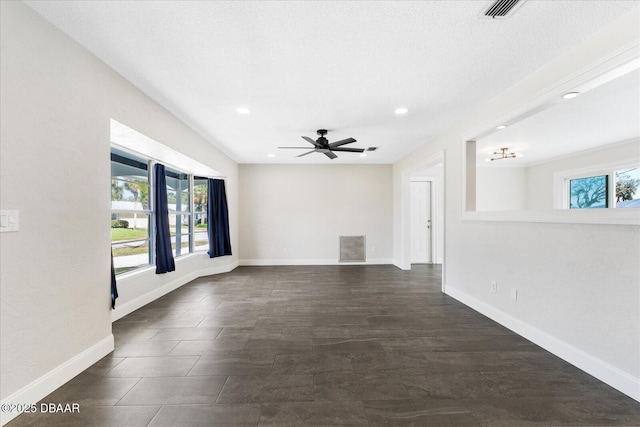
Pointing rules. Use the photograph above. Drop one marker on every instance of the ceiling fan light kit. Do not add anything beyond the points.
(322, 145)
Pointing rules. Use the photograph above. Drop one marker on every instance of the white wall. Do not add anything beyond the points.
(293, 214)
(501, 188)
(578, 292)
(540, 182)
(57, 100)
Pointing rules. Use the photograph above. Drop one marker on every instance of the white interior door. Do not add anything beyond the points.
(421, 222)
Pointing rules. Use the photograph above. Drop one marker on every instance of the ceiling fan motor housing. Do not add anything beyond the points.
(322, 140)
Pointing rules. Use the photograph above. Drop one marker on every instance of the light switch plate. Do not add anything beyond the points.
(9, 221)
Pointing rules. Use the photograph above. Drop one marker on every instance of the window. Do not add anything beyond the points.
(200, 192)
(132, 158)
(627, 191)
(130, 213)
(131, 209)
(613, 188)
(588, 193)
(179, 200)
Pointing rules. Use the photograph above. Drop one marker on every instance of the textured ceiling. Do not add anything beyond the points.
(344, 66)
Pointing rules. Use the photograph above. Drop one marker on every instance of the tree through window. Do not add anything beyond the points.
(589, 193)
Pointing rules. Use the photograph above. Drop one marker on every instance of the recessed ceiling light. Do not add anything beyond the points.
(500, 127)
(363, 155)
(271, 155)
(570, 95)
(243, 110)
(401, 111)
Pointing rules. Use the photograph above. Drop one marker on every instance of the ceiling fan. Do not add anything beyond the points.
(322, 145)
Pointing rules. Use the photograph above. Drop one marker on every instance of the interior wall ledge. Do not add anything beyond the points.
(628, 216)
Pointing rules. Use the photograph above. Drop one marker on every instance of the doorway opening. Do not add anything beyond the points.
(422, 218)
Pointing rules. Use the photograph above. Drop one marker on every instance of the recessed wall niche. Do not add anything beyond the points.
(526, 165)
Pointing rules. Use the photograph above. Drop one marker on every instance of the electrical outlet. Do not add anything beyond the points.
(514, 294)
(9, 221)
(494, 286)
(284, 250)
(373, 249)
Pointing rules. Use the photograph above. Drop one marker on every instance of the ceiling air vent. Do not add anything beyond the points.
(502, 8)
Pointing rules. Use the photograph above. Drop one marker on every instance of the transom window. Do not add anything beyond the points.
(628, 188)
(619, 188)
(590, 192)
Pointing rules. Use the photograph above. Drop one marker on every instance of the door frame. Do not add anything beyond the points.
(404, 259)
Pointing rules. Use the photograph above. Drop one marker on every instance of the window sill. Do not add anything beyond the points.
(135, 272)
(152, 267)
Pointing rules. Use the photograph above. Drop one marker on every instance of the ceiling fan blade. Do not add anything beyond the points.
(301, 148)
(329, 154)
(342, 142)
(308, 152)
(350, 150)
(315, 144)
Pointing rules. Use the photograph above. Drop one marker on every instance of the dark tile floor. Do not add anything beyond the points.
(327, 345)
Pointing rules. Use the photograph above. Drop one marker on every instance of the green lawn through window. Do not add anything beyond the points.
(118, 234)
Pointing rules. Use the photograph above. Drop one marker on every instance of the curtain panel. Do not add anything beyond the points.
(114, 287)
(218, 219)
(164, 255)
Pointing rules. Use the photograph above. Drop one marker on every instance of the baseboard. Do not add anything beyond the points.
(401, 265)
(311, 261)
(603, 371)
(43, 386)
(218, 269)
(130, 306)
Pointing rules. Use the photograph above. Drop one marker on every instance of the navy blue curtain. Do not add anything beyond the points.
(164, 256)
(114, 288)
(217, 219)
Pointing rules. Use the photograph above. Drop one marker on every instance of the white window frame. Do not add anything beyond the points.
(189, 212)
(192, 230)
(562, 179)
(148, 212)
(151, 236)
